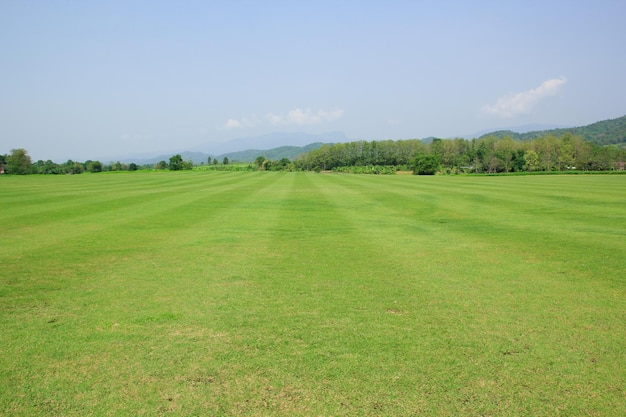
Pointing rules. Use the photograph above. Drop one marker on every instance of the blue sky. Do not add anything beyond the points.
(95, 79)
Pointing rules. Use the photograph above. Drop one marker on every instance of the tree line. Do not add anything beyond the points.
(19, 162)
(491, 154)
(606, 132)
(485, 155)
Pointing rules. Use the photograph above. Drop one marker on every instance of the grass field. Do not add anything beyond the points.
(283, 294)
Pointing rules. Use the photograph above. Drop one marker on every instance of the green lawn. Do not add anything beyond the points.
(282, 294)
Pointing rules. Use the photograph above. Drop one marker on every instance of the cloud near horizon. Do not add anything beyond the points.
(520, 103)
(232, 124)
(296, 116)
(304, 117)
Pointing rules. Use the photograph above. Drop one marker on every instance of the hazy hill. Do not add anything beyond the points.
(516, 129)
(606, 132)
(274, 146)
(276, 154)
(269, 141)
(250, 155)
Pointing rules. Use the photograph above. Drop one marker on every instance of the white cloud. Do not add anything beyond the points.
(293, 117)
(232, 124)
(520, 103)
(241, 123)
(135, 137)
(304, 117)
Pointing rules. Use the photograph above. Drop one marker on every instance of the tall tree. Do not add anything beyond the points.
(260, 162)
(532, 160)
(547, 148)
(19, 162)
(94, 166)
(3, 163)
(176, 163)
(425, 164)
(505, 151)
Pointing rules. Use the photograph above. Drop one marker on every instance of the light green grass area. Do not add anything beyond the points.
(225, 293)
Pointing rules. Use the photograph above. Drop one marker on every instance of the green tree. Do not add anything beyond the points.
(518, 162)
(118, 166)
(94, 166)
(161, 165)
(547, 148)
(48, 167)
(176, 163)
(531, 160)
(225, 161)
(566, 156)
(505, 152)
(425, 164)
(483, 152)
(455, 153)
(19, 162)
(78, 168)
(437, 148)
(494, 164)
(582, 151)
(188, 165)
(603, 158)
(132, 166)
(260, 162)
(283, 165)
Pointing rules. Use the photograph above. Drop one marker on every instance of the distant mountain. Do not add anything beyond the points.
(270, 141)
(606, 132)
(516, 129)
(276, 154)
(250, 155)
(274, 146)
(428, 140)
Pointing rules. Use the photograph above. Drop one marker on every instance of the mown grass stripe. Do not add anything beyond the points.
(540, 290)
(313, 294)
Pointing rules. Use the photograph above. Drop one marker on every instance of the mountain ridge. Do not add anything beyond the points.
(269, 141)
(276, 145)
(249, 155)
(604, 132)
(531, 127)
